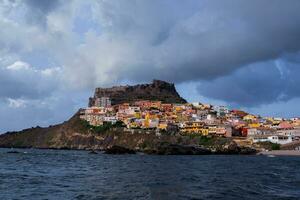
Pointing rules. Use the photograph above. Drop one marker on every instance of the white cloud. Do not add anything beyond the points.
(16, 103)
(20, 80)
(51, 71)
(18, 65)
(17, 114)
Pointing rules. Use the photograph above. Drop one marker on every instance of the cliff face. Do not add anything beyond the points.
(157, 90)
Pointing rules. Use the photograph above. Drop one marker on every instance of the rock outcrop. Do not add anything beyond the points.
(231, 147)
(177, 149)
(119, 150)
(157, 90)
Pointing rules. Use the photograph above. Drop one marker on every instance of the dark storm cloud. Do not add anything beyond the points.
(212, 42)
(39, 9)
(43, 5)
(222, 36)
(22, 81)
(181, 41)
(176, 41)
(261, 83)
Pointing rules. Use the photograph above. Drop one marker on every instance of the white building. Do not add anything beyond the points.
(260, 131)
(278, 139)
(132, 110)
(111, 119)
(197, 104)
(221, 110)
(103, 102)
(153, 123)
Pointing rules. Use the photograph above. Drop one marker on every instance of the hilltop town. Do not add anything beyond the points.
(153, 118)
(191, 119)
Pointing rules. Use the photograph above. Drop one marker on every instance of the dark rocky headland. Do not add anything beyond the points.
(76, 134)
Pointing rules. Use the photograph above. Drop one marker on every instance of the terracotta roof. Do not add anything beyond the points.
(285, 125)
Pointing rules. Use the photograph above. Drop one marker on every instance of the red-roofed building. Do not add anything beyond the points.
(285, 125)
(239, 113)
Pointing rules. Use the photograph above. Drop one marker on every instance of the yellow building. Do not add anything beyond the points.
(162, 126)
(249, 117)
(212, 130)
(194, 127)
(204, 131)
(178, 108)
(155, 104)
(133, 125)
(146, 123)
(254, 125)
(137, 115)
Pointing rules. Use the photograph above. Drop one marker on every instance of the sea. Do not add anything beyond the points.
(68, 174)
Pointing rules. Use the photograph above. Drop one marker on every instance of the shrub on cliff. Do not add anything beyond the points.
(204, 140)
(275, 146)
(268, 145)
(105, 127)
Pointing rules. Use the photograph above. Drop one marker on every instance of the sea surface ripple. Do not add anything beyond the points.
(62, 174)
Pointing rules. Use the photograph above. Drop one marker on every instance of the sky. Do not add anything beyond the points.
(239, 53)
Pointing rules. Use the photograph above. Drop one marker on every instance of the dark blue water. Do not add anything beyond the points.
(52, 174)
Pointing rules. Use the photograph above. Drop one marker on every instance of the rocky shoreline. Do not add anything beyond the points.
(176, 149)
(171, 149)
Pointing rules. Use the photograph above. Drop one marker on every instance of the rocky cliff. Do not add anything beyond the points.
(157, 90)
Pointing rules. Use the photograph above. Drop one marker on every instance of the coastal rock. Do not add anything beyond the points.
(119, 150)
(176, 149)
(93, 152)
(13, 152)
(247, 151)
(233, 148)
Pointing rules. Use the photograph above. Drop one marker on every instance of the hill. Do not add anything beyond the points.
(76, 133)
(157, 90)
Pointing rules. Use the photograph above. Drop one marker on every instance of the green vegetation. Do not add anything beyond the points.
(275, 146)
(19, 143)
(192, 136)
(269, 145)
(206, 141)
(105, 127)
